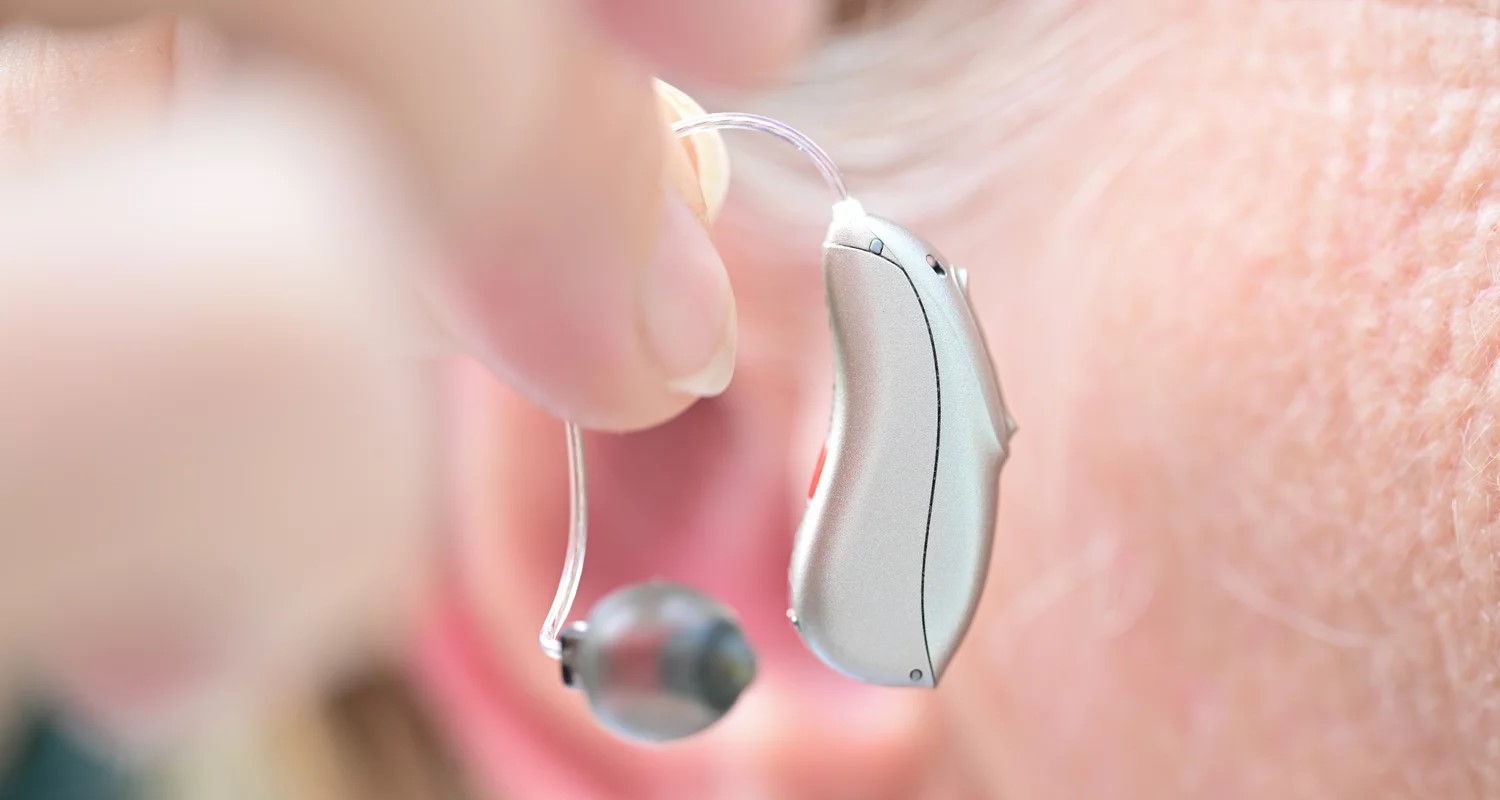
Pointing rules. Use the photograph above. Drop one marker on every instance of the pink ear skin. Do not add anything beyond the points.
(682, 503)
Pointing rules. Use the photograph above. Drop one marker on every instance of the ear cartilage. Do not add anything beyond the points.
(892, 553)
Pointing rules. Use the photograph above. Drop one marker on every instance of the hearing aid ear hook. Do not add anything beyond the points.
(898, 526)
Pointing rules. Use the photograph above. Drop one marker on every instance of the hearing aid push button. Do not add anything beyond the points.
(812, 488)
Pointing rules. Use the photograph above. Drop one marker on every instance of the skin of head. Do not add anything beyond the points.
(1235, 263)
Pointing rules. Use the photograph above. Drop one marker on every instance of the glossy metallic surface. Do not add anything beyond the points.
(659, 661)
(894, 547)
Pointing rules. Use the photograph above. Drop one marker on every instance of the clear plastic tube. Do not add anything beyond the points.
(578, 514)
(781, 130)
(578, 532)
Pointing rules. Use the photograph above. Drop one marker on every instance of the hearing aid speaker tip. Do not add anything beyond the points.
(660, 662)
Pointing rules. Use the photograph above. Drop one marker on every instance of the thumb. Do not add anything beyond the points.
(531, 139)
(606, 347)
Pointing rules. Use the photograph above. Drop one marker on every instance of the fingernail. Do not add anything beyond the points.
(705, 151)
(686, 307)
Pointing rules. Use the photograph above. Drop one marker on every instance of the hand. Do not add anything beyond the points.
(231, 248)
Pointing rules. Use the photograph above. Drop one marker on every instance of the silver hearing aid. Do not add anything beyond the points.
(892, 552)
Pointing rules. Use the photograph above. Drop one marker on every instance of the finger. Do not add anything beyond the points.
(574, 270)
(579, 274)
(608, 344)
(733, 42)
(52, 82)
(699, 160)
(213, 452)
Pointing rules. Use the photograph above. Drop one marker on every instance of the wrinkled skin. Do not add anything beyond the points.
(1235, 260)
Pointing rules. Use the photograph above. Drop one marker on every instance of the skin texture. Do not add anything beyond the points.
(1235, 260)
(463, 98)
(222, 247)
(1268, 477)
(1236, 263)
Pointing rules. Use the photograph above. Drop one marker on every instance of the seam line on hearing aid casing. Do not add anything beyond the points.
(937, 446)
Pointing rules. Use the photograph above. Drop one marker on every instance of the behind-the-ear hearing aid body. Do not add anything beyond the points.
(894, 546)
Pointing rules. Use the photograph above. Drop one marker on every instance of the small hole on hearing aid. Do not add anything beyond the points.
(935, 264)
(916, 674)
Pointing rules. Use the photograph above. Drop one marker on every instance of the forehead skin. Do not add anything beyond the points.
(1244, 301)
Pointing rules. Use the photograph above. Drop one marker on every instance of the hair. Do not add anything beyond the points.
(920, 103)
